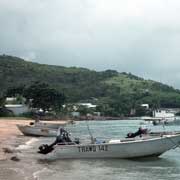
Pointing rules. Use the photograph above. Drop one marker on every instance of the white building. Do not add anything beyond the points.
(17, 109)
(163, 113)
(88, 105)
(10, 99)
(146, 106)
(75, 114)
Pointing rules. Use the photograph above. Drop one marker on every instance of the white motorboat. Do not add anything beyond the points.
(37, 131)
(125, 148)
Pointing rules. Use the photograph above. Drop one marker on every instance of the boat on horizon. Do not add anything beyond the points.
(161, 117)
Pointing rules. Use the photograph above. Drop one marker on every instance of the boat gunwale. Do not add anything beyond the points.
(121, 142)
(35, 127)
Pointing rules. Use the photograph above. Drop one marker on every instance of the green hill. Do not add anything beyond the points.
(116, 93)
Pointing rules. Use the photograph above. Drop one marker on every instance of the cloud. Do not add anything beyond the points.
(139, 36)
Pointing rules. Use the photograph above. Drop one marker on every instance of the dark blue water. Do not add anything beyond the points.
(32, 167)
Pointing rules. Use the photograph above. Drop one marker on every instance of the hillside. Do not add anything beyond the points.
(77, 83)
(115, 92)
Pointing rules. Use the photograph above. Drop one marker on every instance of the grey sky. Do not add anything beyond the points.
(137, 36)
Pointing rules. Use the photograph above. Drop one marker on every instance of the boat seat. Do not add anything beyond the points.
(115, 141)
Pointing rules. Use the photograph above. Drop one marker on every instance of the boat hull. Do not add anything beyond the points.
(37, 131)
(49, 125)
(127, 149)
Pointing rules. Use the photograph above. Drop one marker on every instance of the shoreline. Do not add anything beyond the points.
(104, 118)
(9, 133)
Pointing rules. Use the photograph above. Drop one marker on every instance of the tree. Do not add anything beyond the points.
(15, 91)
(3, 111)
(142, 111)
(84, 110)
(40, 95)
(2, 101)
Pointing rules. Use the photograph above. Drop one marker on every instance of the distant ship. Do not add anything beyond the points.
(161, 116)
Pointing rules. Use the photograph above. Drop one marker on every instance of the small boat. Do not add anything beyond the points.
(159, 121)
(161, 117)
(37, 131)
(125, 148)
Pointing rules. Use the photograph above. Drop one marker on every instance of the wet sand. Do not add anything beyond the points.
(32, 166)
(8, 133)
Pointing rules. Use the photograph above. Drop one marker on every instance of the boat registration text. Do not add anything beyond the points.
(99, 148)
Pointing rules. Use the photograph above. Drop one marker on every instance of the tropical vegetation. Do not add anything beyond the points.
(114, 93)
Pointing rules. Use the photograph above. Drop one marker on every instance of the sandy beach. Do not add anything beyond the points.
(8, 133)
(33, 166)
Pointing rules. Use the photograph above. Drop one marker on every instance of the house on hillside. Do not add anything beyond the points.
(17, 109)
(163, 113)
(88, 105)
(83, 108)
(146, 106)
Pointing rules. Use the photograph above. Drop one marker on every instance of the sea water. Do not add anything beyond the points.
(33, 167)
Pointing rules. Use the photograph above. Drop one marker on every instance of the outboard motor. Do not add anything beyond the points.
(45, 149)
(137, 133)
(76, 141)
(61, 139)
(31, 123)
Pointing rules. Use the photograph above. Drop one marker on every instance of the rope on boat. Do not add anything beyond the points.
(175, 144)
(91, 136)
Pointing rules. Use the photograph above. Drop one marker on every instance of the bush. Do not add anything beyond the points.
(27, 114)
(5, 112)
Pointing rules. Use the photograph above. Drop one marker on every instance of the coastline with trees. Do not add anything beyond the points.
(50, 87)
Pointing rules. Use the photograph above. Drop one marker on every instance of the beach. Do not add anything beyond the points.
(34, 166)
(8, 134)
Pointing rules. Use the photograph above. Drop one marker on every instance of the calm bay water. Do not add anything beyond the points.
(32, 167)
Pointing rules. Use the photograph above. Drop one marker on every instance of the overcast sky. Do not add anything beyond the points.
(137, 36)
